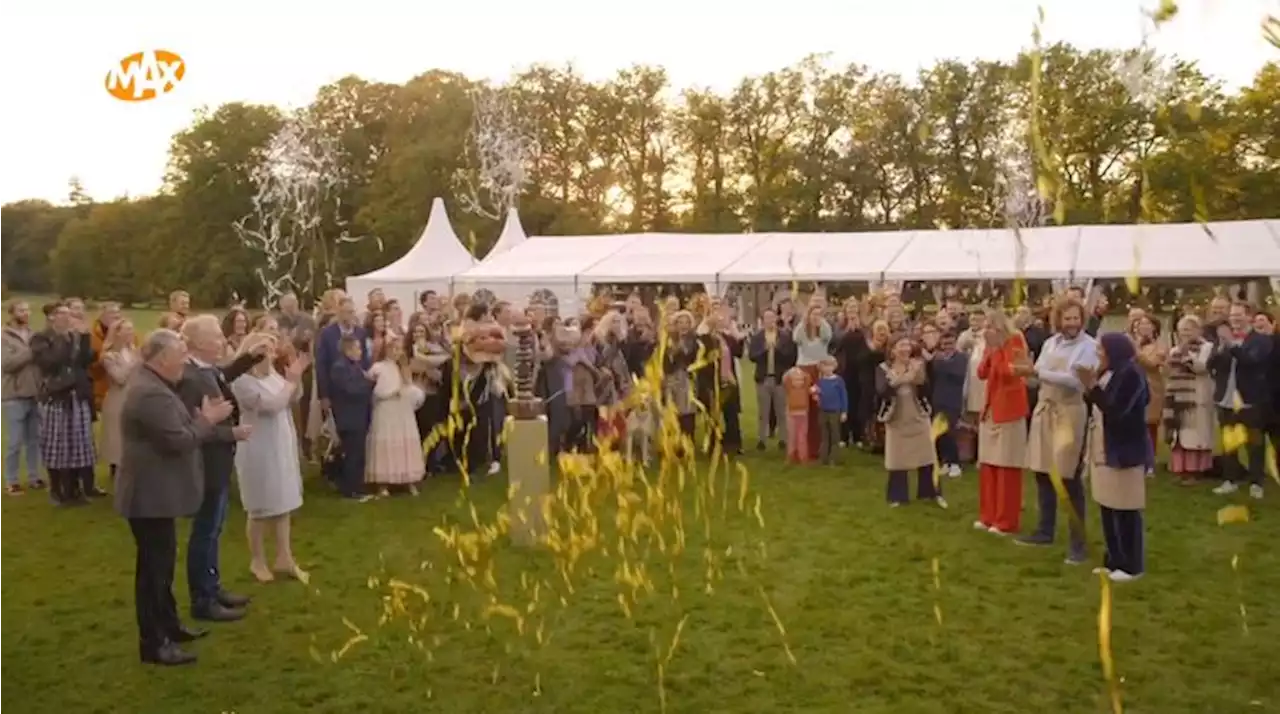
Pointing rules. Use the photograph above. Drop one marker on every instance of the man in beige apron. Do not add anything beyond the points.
(1058, 427)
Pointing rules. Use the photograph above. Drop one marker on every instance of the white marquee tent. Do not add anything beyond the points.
(552, 264)
(673, 258)
(1231, 249)
(1043, 254)
(822, 257)
(430, 264)
(567, 267)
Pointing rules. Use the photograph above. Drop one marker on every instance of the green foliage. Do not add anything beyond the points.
(812, 147)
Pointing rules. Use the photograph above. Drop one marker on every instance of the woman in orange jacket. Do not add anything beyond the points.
(1002, 431)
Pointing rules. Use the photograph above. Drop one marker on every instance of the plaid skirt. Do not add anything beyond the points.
(66, 434)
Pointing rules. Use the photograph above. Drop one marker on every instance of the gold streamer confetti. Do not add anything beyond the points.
(606, 518)
(1104, 645)
(1244, 613)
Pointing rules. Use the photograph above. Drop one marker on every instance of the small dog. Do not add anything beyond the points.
(642, 427)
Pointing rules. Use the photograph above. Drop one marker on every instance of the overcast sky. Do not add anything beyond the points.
(62, 122)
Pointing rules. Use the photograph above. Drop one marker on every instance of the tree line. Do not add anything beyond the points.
(810, 147)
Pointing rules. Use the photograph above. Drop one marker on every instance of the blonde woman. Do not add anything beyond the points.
(119, 359)
(1002, 424)
(902, 385)
(395, 455)
(268, 470)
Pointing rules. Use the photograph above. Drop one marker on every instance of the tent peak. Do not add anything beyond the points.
(512, 235)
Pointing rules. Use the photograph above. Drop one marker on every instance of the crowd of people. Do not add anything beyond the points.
(382, 396)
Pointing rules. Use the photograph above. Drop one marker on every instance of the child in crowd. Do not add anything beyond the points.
(798, 387)
(833, 405)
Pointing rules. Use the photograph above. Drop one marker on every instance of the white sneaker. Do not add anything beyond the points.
(980, 526)
(942, 502)
(494, 468)
(1226, 488)
(1119, 576)
(996, 531)
(954, 471)
(895, 504)
(1256, 491)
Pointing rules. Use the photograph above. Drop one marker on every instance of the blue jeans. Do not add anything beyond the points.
(21, 429)
(202, 549)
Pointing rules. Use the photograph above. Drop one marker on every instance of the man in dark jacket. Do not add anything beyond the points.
(161, 478)
(1240, 364)
(773, 352)
(203, 378)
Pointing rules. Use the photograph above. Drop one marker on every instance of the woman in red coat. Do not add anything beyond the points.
(1002, 430)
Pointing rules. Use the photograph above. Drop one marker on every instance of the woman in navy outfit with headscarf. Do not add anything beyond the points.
(1119, 449)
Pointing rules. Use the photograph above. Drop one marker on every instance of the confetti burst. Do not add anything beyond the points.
(296, 224)
(644, 532)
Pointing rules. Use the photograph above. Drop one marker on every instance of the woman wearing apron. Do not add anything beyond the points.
(1058, 425)
(1118, 453)
(1002, 426)
(908, 439)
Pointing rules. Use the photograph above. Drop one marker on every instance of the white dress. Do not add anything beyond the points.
(267, 467)
(395, 455)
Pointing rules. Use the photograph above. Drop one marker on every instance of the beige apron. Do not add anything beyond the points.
(908, 434)
(1119, 489)
(1057, 426)
(1003, 445)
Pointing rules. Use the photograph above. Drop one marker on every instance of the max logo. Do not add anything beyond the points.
(143, 76)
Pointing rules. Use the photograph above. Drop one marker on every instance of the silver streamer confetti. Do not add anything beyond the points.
(499, 148)
(296, 223)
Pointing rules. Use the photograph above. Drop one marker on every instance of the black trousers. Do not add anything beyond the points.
(157, 544)
(1255, 448)
(354, 455)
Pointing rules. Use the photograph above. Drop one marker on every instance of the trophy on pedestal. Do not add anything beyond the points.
(527, 465)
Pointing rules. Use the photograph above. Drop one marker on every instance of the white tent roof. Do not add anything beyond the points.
(437, 254)
(1230, 249)
(817, 256)
(545, 260)
(672, 257)
(986, 254)
(512, 235)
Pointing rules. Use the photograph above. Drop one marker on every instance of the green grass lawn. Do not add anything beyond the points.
(850, 579)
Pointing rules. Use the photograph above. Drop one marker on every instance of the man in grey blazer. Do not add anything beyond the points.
(161, 478)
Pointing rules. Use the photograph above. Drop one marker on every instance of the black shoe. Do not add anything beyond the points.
(185, 634)
(216, 612)
(167, 655)
(232, 600)
(1038, 540)
(760, 446)
(36, 485)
